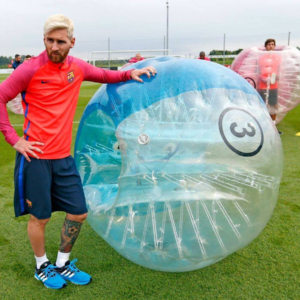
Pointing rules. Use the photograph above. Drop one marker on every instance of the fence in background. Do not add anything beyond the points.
(6, 71)
(184, 46)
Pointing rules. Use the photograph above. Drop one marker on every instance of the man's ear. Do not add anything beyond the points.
(72, 42)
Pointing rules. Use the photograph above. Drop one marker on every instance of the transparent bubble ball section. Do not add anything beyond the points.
(182, 170)
(269, 71)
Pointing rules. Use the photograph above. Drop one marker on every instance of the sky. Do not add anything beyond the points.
(194, 25)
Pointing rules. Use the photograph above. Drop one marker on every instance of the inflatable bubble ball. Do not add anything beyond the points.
(181, 170)
(275, 75)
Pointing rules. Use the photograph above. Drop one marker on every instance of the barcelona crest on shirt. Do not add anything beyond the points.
(71, 76)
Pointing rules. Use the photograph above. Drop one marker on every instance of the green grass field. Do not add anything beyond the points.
(268, 268)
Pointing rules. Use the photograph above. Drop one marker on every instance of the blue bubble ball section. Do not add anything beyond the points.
(181, 170)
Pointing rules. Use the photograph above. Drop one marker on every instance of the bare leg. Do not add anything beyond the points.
(36, 234)
(70, 231)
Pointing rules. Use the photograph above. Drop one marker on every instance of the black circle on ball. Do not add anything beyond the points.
(247, 154)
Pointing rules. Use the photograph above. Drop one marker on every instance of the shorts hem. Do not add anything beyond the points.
(43, 218)
(28, 213)
(76, 214)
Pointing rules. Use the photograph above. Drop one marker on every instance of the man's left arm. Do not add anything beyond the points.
(9, 89)
(99, 75)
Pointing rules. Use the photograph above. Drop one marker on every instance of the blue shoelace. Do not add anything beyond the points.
(71, 267)
(49, 271)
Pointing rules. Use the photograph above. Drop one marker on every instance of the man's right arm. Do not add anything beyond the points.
(9, 89)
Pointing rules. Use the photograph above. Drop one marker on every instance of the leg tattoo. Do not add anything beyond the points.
(69, 234)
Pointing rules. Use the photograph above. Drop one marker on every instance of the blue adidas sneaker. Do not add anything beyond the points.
(72, 273)
(48, 276)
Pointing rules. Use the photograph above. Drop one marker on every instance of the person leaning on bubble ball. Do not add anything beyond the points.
(46, 178)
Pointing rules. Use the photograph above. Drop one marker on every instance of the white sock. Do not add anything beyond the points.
(62, 258)
(40, 260)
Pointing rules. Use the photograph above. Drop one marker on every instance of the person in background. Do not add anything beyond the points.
(202, 56)
(27, 57)
(138, 57)
(17, 61)
(268, 78)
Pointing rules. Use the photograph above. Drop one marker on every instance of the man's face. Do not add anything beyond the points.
(58, 45)
(18, 58)
(270, 46)
(138, 56)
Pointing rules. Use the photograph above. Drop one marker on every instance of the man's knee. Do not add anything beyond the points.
(38, 222)
(77, 218)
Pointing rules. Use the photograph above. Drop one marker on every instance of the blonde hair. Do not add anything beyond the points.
(59, 22)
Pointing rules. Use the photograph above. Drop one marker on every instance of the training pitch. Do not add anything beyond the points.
(268, 268)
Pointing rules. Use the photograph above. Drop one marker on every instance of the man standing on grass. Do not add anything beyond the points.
(268, 78)
(46, 178)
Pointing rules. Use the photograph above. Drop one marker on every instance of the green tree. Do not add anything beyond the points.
(227, 52)
(4, 61)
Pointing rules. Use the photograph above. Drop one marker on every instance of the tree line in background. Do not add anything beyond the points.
(227, 52)
(6, 60)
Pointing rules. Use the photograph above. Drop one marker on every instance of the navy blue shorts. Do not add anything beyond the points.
(43, 186)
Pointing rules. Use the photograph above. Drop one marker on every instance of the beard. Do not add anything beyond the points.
(57, 57)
